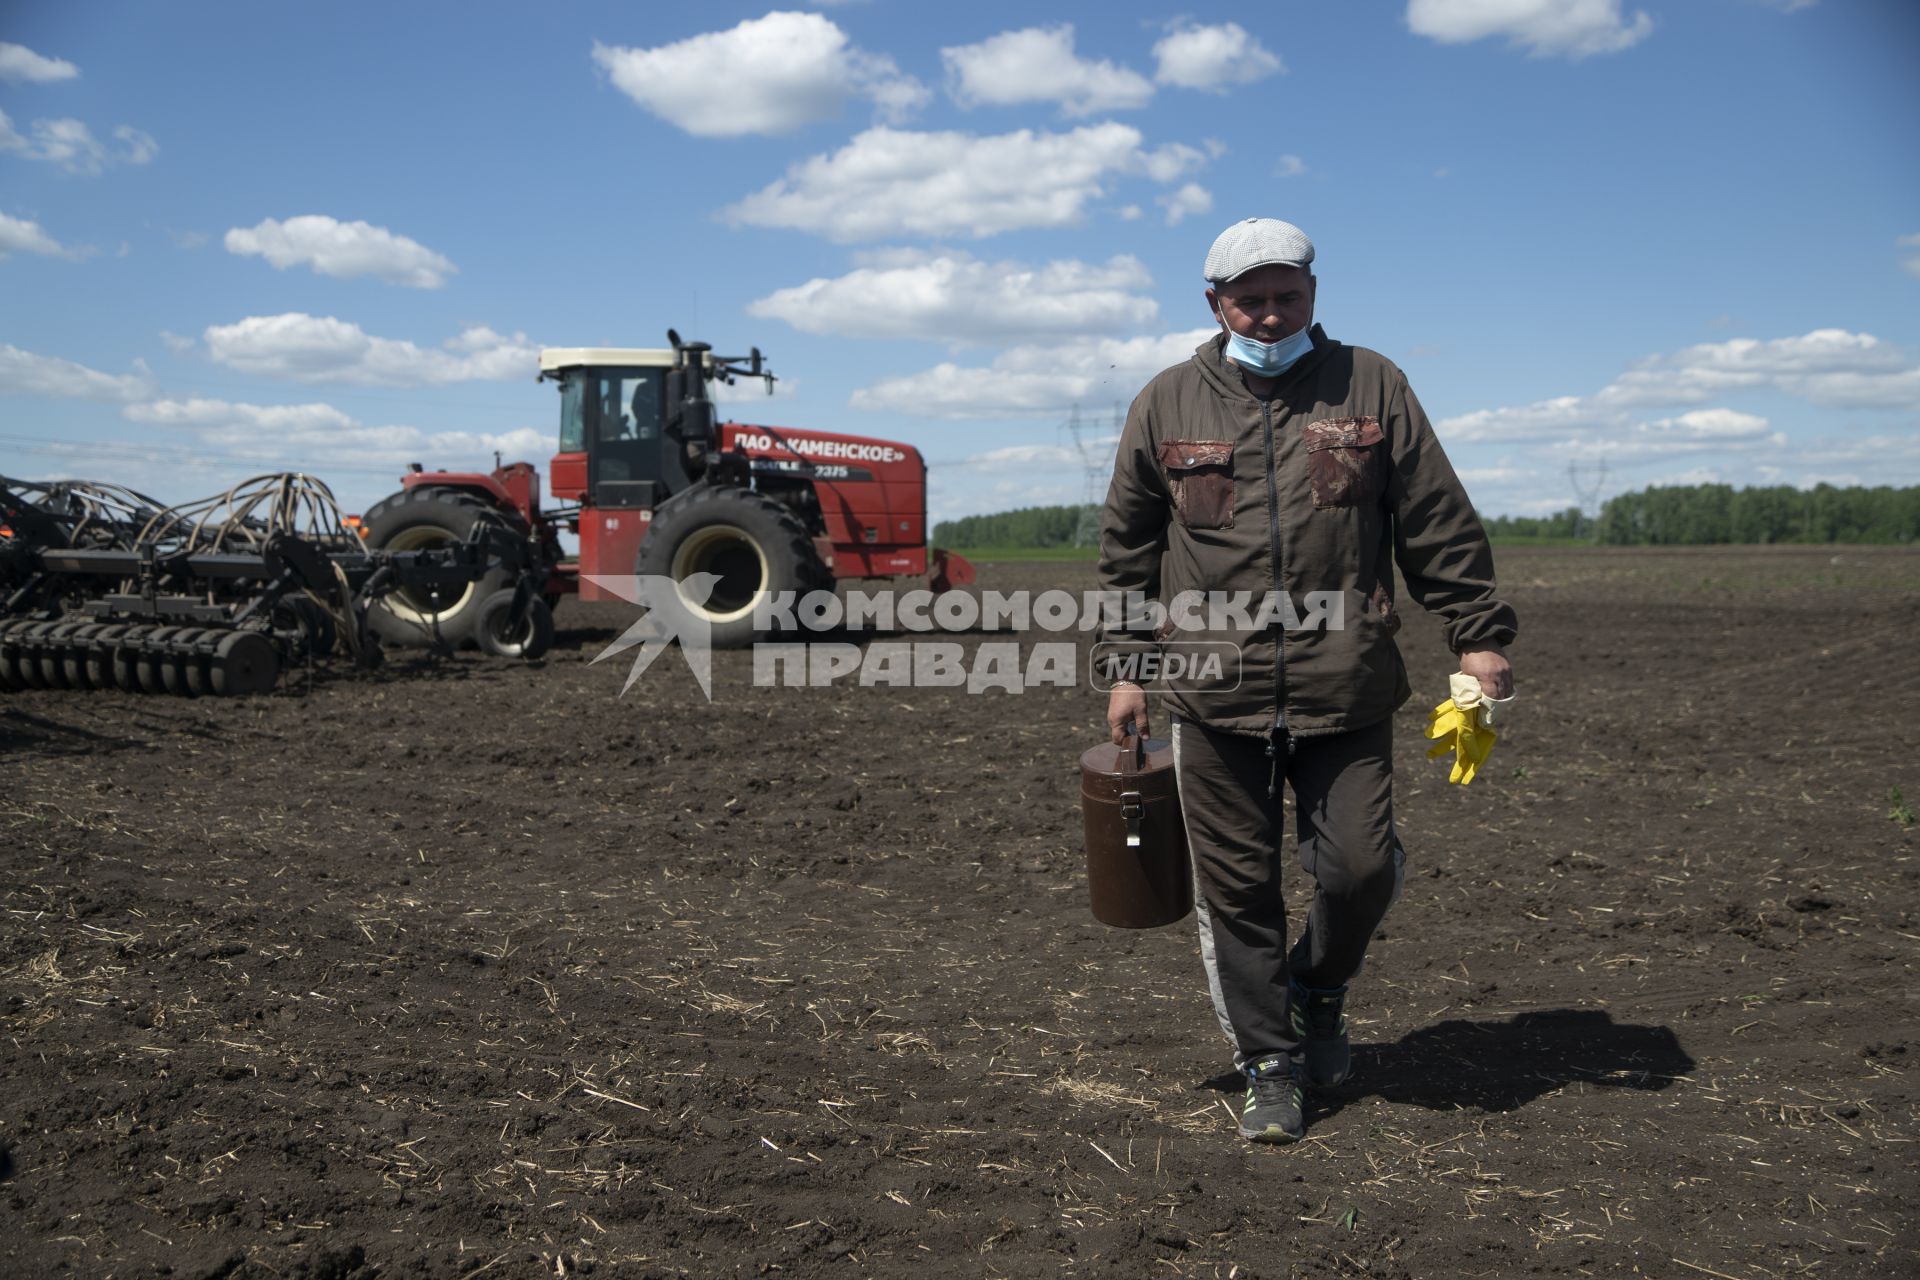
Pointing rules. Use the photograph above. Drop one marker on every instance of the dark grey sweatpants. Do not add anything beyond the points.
(1343, 797)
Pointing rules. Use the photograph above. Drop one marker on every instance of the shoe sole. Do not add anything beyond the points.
(1272, 1133)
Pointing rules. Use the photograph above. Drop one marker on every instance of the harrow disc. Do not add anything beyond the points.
(183, 663)
(8, 647)
(53, 647)
(126, 659)
(73, 659)
(28, 663)
(174, 654)
(195, 646)
(100, 650)
(244, 662)
(153, 660)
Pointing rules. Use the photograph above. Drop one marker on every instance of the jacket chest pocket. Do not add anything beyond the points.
(1200, 473)
(1342, 460)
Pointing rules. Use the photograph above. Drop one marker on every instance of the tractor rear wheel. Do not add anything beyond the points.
(424, 519)
(752, 544)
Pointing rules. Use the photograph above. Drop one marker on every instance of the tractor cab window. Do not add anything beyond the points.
(629, 407)
(620, 414)
(574, 391)
(609, 408)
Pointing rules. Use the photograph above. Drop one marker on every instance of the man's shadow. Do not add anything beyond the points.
(1502, 1066)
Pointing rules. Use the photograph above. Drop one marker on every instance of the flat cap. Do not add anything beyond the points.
(1257, 242)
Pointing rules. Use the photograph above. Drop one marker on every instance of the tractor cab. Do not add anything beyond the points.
(613, 415)
(636, 425)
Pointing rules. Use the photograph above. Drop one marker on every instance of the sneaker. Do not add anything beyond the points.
(1274, 1106)
(1322, 1031)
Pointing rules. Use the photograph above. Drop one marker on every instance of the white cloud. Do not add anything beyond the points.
(1541, 420)
(1018, 459)
(1827, 367)
(1021, 475)
(71, 145)
(141, 148)
(19, 63)
(1038, 64)
(1289, 166)
(1499, 475)
(1788, 6)
(22, 373)
(890, 182)
(1711, 426)
(177, 343)
(285, 419)
(955, 298)
(1691, 476)
(1910, 261)
(1034, 379)
(951, 497)
(307, 348)
(1171, 162)
(1189, 199)
(1574, 28)
(307, 434)
(342, 250)
(23, 235)
(1213, 58)
(767, 75)
(1874, 451)
(1703, 430)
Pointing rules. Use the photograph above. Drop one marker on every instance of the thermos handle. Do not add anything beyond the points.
(1133, 752)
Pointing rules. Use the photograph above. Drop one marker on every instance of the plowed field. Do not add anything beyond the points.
(473, 969)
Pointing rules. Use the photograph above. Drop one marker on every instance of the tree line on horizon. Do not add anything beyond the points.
(1672, 515)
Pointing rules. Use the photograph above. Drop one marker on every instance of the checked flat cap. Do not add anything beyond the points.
(1257, 242)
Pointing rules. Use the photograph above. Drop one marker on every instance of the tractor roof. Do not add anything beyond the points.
(553, 359)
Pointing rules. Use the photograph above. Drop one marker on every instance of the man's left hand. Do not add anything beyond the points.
(1488, 664)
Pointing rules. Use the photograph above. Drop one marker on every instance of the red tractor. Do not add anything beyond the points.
(660, 486)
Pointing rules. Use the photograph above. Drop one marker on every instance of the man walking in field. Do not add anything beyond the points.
(1279, 462)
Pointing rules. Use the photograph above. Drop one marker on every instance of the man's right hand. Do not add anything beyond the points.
(1127, 702)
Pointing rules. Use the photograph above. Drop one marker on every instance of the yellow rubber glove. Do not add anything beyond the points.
(1463, 724)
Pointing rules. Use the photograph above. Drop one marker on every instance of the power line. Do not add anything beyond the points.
(1588, 492)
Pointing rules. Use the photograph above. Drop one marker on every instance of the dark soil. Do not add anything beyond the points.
(468, 968)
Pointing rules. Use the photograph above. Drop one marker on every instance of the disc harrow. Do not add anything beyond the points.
(188, 662)
(104, 588)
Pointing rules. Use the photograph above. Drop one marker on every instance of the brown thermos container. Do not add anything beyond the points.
(1138, 874)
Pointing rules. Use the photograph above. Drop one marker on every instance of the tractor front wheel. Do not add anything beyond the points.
(751, 545)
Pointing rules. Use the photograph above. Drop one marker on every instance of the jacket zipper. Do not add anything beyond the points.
(1273, 544)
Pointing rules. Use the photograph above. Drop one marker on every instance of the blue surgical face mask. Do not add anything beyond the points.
(1268, 359)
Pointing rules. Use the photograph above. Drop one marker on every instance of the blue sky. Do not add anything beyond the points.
(1679, 237)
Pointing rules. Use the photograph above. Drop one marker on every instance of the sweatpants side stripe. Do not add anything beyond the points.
(1209, 958)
